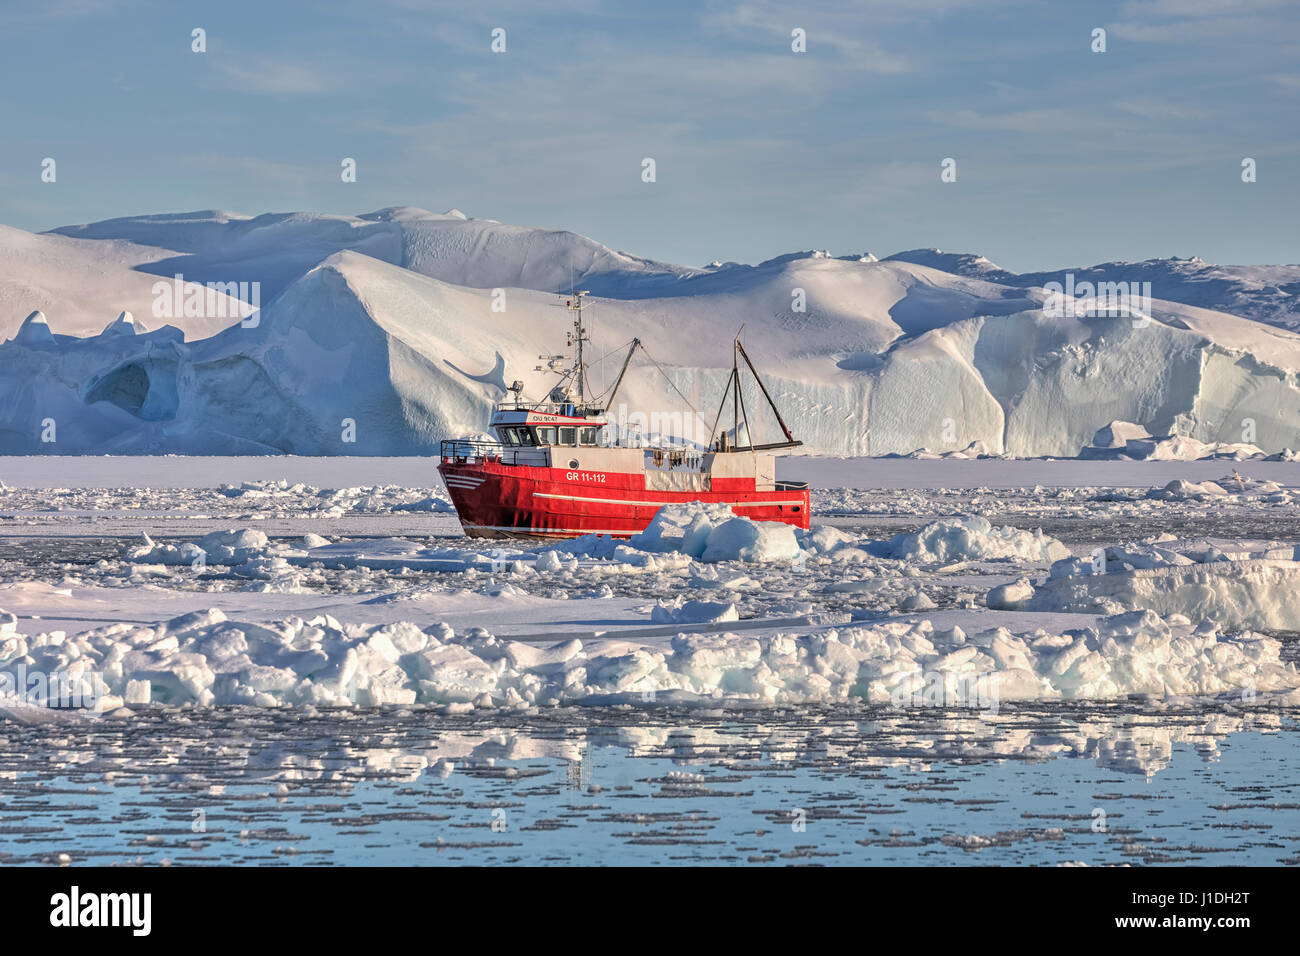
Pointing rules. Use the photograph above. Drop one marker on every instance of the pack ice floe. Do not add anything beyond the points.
(205, 659)
(1235, 586)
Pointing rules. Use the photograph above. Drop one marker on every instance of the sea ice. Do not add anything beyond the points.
(205, 659)
(972, 538)
(1234, 588)
(681, 611)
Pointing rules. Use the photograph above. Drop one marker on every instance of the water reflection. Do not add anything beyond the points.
(628, 785)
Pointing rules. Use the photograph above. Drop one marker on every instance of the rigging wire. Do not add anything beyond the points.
(653, 361)
(622, 348)
(669, 380)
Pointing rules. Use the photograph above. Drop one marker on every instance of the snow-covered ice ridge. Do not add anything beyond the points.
(387, 319)
(207, 657)
(1235, 586)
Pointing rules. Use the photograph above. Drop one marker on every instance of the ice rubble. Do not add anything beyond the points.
(682, 611)
(976, 449)
(1237, 588)
(1234, 487)
(973, 538)
(695, 531)
(337, 501)
(1128, 441)
(250, 554)
(205, 659)
(703, 532)
(235, 547)
(713, 532)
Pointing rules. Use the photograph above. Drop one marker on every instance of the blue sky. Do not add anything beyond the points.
(1064, 156)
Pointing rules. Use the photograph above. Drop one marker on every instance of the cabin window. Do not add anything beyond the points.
(546, 436)
(588, 436)
(509, 437)
(568, 436)
(523, 436)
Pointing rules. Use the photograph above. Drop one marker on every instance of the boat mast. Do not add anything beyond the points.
(636, 343)
(578, 336)
(738, 412)
(735, 398)
(759, 379)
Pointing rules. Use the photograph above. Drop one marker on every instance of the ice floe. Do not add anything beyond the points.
(1126, 440)
(681, 611)
(1234, 586)
(678, 534)
(203, 658)
(972, 538)
(716, 533)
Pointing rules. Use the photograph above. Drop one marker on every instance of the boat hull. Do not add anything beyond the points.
(495, 500)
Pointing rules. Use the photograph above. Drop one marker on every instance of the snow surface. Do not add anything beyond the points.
(973, 538)
(1128, 441)
(1111, 659)
(703, 607)
(1237, 588)
(369, 324)
(709, 533)
(204, 658)
(716, 533)
(80, 284)
(1265, 293)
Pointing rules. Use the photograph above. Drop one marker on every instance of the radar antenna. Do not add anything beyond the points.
(577, 338)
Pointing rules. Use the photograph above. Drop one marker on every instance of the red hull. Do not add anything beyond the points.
(505, 501)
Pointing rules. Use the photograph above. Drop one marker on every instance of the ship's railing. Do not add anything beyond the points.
(468, 451)
(791, 485)
(571, 409)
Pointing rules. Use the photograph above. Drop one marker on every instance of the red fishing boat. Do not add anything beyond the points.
(556, 470)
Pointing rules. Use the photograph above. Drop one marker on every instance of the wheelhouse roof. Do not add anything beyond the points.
(531, 417)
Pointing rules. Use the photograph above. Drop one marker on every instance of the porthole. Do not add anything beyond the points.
(573, 463)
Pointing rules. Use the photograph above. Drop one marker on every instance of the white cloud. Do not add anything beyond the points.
(1194, 21)
(1150, 108)
(1021, 121)
(274, 76)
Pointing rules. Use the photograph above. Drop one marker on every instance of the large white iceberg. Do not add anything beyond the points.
(387, 321)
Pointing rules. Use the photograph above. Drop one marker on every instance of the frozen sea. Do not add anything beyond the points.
(1134, 779)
